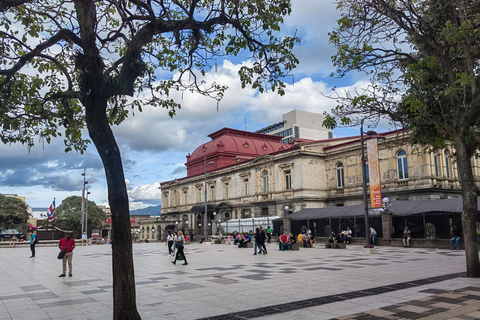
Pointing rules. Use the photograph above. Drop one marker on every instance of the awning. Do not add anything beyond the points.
(398, 207)
(201, 208)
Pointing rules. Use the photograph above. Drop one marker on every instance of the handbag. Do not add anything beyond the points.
(61, 254)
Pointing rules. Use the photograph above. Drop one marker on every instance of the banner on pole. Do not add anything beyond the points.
(374, 173)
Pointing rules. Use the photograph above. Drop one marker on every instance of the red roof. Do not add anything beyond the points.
(228, 146)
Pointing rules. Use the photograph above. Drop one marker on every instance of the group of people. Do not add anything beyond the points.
(306, 238)
(345, 236)
(176, 242)
(285, 242)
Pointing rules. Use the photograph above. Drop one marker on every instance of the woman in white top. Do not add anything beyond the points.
(170, 243)
(179, 244)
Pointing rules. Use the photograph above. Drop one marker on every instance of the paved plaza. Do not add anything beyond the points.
(224, 282)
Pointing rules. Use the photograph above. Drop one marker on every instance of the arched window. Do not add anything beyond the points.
(265, 181)
(447, 164)
(402, 165)
(340, 176)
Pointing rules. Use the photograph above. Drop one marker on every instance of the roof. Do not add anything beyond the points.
(398, 207)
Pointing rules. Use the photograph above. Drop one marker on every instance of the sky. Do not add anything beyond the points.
(154, 146)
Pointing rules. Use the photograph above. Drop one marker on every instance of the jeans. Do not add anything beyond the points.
(457, 240)
(260, 247)
(406, 242)
(170, 244)
(32, 247)
(374, 239)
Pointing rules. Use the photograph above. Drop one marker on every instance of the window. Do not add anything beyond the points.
(447, 164)
(185, 197)
(367, 173)
(288, 180)
(330, 135)
(402, 165)
(165, 199)
(227, 191)
(265, 181)
(245, 184)
(340, 176)
(296, 131)
(212, 192)
(175, 198)
(436, 163)
(199, 194)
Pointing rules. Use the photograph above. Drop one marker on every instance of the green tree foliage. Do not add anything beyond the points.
(68, 215)
(13, 213)
(67, 65)
(423, 59)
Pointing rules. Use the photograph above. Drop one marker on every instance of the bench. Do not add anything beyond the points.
(295, 246)
(219, 241)
(340, 245)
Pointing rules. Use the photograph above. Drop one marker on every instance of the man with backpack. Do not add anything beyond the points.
(33, 242)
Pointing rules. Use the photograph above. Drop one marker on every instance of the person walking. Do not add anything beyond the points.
(67, 244)
(175, 235)
(264, 239)
(33, 242)
(269, 234)
(179, 244)
(170, 243)
(258, 242)
(406, 237)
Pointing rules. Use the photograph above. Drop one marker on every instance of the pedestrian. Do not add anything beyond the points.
(373, 236)
(170, 243)
(269, 234)
(179, 245)
(264, 239)
(175, 235)
(406, 237)
(456, 236)
(258, 242)
(67, 244)
(33, 242)
(192, 239)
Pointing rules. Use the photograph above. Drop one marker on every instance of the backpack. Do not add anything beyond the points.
(36, 240)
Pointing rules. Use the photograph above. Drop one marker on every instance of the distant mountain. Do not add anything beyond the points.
(148, 211)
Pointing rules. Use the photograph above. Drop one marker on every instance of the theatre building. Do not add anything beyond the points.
(253, 175)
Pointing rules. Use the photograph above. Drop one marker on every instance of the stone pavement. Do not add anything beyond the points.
(224, 282)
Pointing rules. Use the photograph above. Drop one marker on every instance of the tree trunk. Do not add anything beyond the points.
(469, 213)
(124, 296)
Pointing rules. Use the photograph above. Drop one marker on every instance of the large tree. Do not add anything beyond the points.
(423, 60)
(67, 64)
(13, 213)
(68, 215)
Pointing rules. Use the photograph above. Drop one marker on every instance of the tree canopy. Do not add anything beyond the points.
(67, 65)
(423, 59)
(68, 215)
(13, 213)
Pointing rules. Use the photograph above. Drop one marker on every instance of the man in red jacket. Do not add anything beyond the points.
(67, 244)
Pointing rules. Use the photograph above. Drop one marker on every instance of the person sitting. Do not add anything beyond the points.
(13, 241)
(339, 238)
(291, 240)
(300, 238)
(456, 236)
(246, 238)
(313, 241)
(84, 238)
(306, 239)
(237, 239)
(282, 242)
(331, 239)
(202, 239)
(348, 236)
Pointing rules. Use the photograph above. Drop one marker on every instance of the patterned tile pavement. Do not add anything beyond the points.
(224, 282)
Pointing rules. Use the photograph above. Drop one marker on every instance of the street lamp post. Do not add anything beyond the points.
(364, 182)
(86, 214)
(205, 220)
(83, 199)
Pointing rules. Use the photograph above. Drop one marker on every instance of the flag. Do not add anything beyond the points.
(51, 211)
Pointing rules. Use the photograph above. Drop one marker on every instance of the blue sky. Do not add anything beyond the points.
(154, 146)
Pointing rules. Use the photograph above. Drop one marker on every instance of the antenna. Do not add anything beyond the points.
(245, 124)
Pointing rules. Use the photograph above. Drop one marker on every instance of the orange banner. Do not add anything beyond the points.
(374, 174)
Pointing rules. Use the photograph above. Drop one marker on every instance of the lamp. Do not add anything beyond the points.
(85, 182)
(86, 212)
(205, 231)
(386, 203)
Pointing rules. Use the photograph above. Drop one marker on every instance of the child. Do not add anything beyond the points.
(229, 238)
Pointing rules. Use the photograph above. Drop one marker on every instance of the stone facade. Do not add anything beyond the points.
(307, 174)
